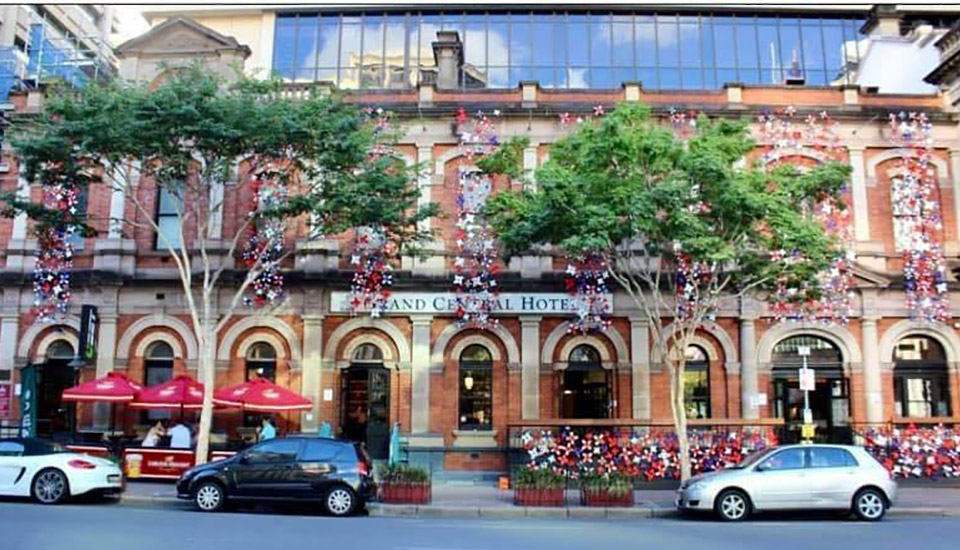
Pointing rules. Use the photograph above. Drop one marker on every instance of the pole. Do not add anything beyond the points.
(804, 352)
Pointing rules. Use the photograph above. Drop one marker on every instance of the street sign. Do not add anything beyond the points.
(28, 401)
(89, 323)
(807, 380)
(808, 431)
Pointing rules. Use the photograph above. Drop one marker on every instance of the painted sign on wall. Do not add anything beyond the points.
(507, 303)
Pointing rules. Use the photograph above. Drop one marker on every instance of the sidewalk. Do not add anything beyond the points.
(468, 500)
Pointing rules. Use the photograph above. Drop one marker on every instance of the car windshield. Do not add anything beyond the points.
(754, 458)
(42, 447)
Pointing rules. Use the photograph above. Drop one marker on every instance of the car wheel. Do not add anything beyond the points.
(732, 505)
(869, 505)
(340, 501)
(209, 496)
(50, 487)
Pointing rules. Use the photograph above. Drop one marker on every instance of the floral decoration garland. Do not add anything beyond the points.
(912, 452)
(373, 272)
(566, 119)
(782, 136)
(648, 454)
(475, 267)
(54, 256)
(476, 135)
(691, 279)
(586, 279)
(264, 245)
(918, 236)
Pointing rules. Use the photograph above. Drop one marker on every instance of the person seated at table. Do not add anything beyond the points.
(180, 436)
(156, 433)
(266, 431)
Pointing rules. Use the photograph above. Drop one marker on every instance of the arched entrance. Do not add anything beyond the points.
(365, 400)
(157, 369)
(585, 385)
(830, 399)
(55, 419)
(696, 383)
(921, 381)
(260, 362)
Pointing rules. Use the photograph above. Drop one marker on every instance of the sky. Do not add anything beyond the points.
(131, 23)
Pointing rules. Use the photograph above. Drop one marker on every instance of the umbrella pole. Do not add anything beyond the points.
(113, 414)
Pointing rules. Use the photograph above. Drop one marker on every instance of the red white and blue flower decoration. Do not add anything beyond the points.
(54, 255)
(920, 224)
(264, 247)
(373, 273)
(586, 279)
(474, 267)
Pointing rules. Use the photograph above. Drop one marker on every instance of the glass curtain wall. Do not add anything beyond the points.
(663, 50)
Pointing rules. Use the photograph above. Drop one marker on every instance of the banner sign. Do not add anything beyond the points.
(28, 401)
(6, 400)
(507, 303)
(157, 463)
(89, 323)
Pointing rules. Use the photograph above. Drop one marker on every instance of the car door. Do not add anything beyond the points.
(315, 467)
(267, 470)
(11, 464)
(832, 474)
(781, 481)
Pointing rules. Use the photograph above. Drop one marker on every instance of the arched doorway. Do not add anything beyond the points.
(476, 389)
(585, 385)
(365, 401)
(261, 362)
(55, 419)
(696, 383)
(157, 369)
(921, 381)
(830, 399)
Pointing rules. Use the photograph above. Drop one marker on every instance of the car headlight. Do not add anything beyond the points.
(695, 486)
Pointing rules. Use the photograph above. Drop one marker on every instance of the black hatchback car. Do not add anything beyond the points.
(335, 472)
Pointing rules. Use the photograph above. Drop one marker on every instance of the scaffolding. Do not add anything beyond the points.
(52, 53)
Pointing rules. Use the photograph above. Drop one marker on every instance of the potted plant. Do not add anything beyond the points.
(405, 484)
(606, 490)
(538, 487)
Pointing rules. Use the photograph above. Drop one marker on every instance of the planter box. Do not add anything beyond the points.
(605, 499)
(538, 497)
(396, 493)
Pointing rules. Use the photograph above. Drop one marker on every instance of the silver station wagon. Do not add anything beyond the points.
(794, 477)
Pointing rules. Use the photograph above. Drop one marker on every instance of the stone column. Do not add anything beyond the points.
(420, 369)
(530, 365)
(311, 376)
(215, 229)
(861, 211)
(749, 385)
(640, 366)
(23, 193)
(448, 52)
(872, 384)
(955, 178)
(106, 353)
(9, 333)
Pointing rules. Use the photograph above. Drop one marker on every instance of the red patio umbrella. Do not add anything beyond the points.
(261, 395)
(112, 388)
(182, 393)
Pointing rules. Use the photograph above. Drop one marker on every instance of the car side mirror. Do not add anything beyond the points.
(243, 459)
(760, 468)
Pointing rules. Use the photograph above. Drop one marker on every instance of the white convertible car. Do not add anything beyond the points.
(49, 474)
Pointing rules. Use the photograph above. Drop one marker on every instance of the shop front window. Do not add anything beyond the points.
(157, 369)
(920, 378)
(262, 362)
(476, 389)
(696, 383)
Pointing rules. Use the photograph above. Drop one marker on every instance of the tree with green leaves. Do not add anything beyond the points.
(313, 161)
(683, 225)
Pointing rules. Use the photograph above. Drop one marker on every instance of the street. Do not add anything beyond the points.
(90, 526)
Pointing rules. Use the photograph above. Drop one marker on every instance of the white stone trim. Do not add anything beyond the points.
(34, 330)
(612, 334)
(839, 336)
(48, 341)
(264, 337)
(374, 339)
(509, 343)
(943, 172)
(157, 320)
(475, 339)
(700, 342)
(158, 336)
(908, 327)
(580, 340)
(388, 328)
(247, 323)
(730, 353)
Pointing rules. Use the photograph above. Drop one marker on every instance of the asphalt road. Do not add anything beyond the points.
(26, 526)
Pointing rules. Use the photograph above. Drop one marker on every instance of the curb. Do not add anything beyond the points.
(377, 509)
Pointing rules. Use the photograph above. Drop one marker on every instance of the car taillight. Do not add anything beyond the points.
(81, 464)
(363, 468)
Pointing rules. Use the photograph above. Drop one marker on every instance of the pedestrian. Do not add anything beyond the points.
(267, 430)
(157, 431)
(180, 436)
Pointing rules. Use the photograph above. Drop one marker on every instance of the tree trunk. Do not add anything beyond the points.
(207, 372)
(679, 410)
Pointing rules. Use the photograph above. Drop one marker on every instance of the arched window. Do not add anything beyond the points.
(157, 369)
(696, 383)
(54, 417)
(585, 385)
(262, 362)
(60, 349)
(367, 353)
(476, 388)
(921, 380)
(830, 398)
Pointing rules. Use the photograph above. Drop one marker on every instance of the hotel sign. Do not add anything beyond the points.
(508, 303)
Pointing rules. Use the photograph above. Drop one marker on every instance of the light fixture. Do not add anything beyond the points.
(468, 382)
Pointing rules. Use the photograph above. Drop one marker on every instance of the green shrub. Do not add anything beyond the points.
(404, 474)
(612, 484)
(538, 478)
